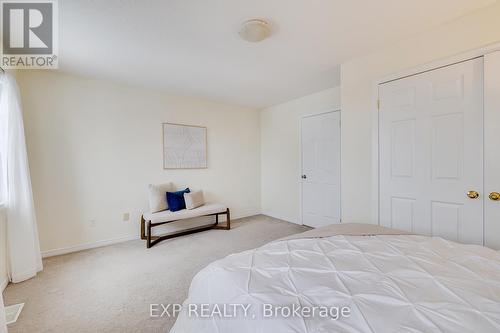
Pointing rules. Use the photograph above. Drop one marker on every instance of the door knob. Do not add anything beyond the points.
(304, 177)
(495, 196)
(474, 195)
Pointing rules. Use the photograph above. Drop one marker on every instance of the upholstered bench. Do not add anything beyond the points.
(151, 220)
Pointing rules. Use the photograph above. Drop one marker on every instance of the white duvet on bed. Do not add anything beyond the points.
(391, 284)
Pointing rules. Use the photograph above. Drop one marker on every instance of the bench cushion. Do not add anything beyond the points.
(167, 216)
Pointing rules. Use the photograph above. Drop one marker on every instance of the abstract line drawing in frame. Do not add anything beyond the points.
(184, 146)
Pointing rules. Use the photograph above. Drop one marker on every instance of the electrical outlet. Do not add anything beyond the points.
(126, 217)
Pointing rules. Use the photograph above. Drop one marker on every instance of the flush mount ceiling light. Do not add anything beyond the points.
(255, 30)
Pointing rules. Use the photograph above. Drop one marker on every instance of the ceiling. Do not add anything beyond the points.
(192, 47)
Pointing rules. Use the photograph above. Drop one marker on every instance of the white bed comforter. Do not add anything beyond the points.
(391, 283)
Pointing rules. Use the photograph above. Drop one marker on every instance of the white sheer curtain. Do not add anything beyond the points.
(3, 326)
(23, 247)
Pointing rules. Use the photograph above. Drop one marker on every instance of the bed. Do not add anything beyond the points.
(389, 280)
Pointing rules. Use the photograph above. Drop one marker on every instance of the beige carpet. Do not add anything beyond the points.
(109, 289)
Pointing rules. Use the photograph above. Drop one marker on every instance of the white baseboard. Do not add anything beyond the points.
(280, 217)
(245, 214)
(3, 284)
(87, 246)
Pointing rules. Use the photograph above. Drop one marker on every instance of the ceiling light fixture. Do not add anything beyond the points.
(255, 30)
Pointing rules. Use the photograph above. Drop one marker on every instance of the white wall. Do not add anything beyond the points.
(280, 152)
(357, 76)
(94, 146)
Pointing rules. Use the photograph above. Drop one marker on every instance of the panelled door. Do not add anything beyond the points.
(431, 152)
(321, 169)
(492, 150)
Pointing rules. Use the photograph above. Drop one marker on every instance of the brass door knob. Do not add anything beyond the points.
(495, 196)
(473, 194)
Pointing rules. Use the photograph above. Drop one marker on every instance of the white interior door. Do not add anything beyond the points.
(431, 152)
(492, 150)
(321, 169)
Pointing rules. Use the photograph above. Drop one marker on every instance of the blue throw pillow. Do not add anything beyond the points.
(176, 201)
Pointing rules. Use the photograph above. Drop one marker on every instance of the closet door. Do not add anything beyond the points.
(321, 169)
(431, 152)
(492, 150)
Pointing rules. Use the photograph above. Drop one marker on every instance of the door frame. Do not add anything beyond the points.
(301, 197)
(433, 65)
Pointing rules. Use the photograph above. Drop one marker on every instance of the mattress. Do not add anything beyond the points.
(389, 282)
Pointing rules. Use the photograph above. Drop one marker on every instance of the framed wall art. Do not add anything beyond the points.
(184, 146)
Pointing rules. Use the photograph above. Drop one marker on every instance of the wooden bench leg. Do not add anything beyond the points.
(143, 227)
(228, 221)
(228, 215)
(148, 240)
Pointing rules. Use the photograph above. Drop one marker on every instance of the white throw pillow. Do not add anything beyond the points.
(194, 199)
(158, 197)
